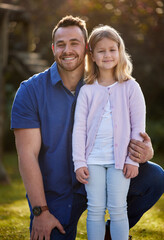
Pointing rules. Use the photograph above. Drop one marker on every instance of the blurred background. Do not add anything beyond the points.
(25, 49)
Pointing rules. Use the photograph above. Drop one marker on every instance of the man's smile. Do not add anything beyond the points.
(68, 58)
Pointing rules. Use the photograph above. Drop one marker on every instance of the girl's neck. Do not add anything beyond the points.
(106, 78)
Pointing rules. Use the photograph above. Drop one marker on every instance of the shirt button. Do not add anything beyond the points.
(69, 205)
(116, 145)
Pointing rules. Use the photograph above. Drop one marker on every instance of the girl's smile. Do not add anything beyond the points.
(106, 54)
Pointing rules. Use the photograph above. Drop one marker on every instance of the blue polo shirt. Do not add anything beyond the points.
(44, 102)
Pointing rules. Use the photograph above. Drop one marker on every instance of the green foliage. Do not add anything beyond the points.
(140, 22)
(14, 212)
(155, 129)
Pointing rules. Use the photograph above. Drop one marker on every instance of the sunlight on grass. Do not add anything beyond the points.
(14, 220)
(150, 227)
(14, 212)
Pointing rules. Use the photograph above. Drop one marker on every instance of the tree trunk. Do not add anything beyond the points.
(4, 179)
(3, 61)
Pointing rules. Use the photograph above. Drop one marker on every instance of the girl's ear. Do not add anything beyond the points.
(92, 56)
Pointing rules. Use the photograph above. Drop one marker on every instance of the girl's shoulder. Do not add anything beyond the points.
(88, 87)
(130, 83)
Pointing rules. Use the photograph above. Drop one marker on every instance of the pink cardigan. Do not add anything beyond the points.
(128, 115)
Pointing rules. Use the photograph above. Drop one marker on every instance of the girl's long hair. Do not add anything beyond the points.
(123, 69)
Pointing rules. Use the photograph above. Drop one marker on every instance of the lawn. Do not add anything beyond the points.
(14, 213)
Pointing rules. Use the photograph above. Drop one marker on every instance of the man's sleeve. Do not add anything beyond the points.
(24, 112)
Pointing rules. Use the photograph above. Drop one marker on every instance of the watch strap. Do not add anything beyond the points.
(44, 208)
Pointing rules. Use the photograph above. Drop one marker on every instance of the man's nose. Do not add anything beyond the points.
(67, 48)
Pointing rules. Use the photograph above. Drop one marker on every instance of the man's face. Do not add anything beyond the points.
(69, 48)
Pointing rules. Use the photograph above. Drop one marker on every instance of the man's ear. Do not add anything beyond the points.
(53, 49)
(86, 48)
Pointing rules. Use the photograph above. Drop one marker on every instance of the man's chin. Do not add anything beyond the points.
(69, 67)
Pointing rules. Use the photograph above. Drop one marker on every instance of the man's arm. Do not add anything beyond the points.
(141, 152)
(28, 143)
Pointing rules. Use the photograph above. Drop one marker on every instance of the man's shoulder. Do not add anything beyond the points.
(37, 79)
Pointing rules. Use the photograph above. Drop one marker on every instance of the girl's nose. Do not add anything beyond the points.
(107, 54)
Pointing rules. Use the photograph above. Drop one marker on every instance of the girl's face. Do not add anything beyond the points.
(106, 54)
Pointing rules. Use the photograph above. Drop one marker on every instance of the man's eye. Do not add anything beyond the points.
(60, 45)
(74, 43)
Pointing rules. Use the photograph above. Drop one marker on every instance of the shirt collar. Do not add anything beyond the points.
(55, 76)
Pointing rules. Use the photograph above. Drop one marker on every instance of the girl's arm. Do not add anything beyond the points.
(137, 109)
(80, 131)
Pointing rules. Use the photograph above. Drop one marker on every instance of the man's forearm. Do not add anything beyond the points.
(32, 178)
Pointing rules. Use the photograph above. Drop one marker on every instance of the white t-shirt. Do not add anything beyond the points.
(103, 149)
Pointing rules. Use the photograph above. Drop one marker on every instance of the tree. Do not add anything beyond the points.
(3, 43)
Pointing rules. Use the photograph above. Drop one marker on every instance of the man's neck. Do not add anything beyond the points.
(71, 78)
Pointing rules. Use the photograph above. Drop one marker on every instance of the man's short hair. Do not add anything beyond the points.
(71, 21)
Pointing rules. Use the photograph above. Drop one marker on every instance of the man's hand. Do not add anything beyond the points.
(130, 171)
(141, 152)
(82, 174)
(43, 225)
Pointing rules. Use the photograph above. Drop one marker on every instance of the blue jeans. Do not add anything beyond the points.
(107, 188)
(78, 207)
(144, 191)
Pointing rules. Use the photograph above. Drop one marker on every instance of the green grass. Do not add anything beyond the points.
(14, 212)
(150, 227)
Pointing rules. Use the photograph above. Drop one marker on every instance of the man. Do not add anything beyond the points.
(42, 119)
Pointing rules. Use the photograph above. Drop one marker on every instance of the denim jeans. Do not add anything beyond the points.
(107, 188)
(144, 191)
(78, 207)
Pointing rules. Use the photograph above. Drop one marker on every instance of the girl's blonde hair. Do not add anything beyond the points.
(123, 70)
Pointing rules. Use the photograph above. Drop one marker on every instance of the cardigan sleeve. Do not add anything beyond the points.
(80, 131)
(137, 110)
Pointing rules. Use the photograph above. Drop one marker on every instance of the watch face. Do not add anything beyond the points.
(37, 211)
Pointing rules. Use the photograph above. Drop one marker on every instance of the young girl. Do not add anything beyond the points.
(110, 111)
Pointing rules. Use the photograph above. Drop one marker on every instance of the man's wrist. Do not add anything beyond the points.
(37, 210)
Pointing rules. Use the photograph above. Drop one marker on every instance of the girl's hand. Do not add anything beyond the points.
(82, 174)
(130, 171)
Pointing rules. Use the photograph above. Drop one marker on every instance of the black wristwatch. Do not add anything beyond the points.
(38, 210)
